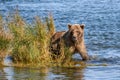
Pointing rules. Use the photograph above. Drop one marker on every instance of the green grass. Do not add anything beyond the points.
(5, 38)
(28, 44)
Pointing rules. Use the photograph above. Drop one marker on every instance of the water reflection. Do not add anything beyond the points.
(67, 73)
(56, 73)
(61, 73)
(6, 73)
(12, 73)
(9, 71)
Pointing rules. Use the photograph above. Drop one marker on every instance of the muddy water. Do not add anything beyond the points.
(102, 37)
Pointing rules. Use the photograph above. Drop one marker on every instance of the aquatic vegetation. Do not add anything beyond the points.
(28, 44)
(5, 38)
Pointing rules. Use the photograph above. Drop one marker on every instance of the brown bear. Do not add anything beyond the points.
(73, 38)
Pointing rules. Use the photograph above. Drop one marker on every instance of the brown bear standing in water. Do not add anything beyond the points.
(73, 38)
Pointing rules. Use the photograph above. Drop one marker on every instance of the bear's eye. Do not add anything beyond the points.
(71, 33)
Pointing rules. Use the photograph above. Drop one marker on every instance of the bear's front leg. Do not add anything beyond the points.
(83, 52)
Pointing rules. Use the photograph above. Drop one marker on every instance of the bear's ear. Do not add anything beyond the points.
(69, 26)
(82, 26)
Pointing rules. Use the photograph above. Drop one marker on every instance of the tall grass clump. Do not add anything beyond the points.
(50, 25)
(31, 42)
(5, 38)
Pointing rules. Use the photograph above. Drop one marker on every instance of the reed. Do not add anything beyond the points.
(50, 25)
(5, 38)
(30, 43)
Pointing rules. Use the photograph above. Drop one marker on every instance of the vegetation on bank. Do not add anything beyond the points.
(28, 44)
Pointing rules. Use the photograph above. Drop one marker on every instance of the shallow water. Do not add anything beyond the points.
(57, 73)
(102, 37)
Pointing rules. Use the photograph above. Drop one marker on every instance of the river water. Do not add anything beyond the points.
(102, 37)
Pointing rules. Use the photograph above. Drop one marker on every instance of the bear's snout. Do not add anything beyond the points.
(74, 38)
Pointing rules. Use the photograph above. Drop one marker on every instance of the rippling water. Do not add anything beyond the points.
(102, 36)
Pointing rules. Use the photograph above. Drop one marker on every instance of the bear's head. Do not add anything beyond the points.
(76, 32)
